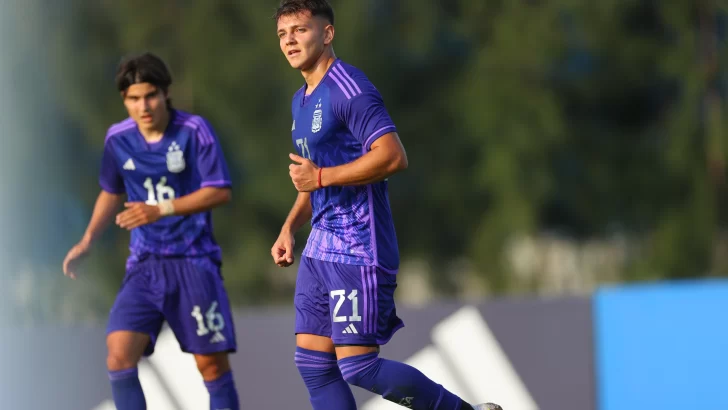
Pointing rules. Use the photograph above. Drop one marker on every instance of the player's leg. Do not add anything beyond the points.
(198, 312)
(315, 358)
(395, 381)
(125, 349)
(365, 317)
(218, 377)
(134, 323)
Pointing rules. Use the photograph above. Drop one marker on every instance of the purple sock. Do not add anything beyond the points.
(326, 388)
(126, 389)
(223, 395)
(398, 383)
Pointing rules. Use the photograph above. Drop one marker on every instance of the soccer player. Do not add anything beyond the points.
(171, 168)
(344, 298)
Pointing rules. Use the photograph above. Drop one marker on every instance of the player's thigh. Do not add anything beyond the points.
(362, 307)
(343, 351)
(125, 349)
(315, 342)
(138, 306)
(212, 366)
(197, 307)
(311, 302)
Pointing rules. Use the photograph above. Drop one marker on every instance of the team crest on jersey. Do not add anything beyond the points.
(175, 158)
(317, 118)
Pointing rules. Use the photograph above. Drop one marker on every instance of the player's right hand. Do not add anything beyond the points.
(282, 250)
(74, 256)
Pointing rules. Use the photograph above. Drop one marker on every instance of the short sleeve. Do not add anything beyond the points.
(363, 112)
(211, 163)
(110, 178)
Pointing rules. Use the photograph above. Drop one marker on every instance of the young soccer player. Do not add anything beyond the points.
(171, 168)
(344, 300)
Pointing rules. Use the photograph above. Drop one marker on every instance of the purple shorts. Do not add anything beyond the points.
(351, 304)
(187, 293)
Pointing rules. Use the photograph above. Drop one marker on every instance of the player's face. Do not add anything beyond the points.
(147, 105)
(303, 38)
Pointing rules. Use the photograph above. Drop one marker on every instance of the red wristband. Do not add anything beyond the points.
(319, 177)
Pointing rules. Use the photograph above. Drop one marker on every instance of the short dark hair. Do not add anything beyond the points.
(143, 68)
(315, 7)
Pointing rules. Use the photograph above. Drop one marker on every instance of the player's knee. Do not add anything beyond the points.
(213, 366)
(360, 370)
(116, 361)
(125, 349)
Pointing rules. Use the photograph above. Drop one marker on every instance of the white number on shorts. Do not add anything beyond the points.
(215, 321)
(354, 305)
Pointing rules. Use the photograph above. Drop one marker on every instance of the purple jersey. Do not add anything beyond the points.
(187, 158)
(334, 125)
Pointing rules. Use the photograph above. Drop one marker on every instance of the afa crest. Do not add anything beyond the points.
(175, 158)
(317, 118)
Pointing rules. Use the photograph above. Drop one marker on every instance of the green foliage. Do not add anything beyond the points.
(518, 117)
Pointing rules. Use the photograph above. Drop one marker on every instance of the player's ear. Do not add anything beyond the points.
(328, 34)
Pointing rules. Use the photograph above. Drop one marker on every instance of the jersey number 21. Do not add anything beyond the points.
(303, 146)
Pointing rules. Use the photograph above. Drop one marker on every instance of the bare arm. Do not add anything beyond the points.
(201, 200)
(299, 215)
(140, 213)
(386, 157)
(104, 209)
(106, 206)
(282, 250)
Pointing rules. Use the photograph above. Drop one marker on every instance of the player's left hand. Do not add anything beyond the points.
(137, 214)
(304, 174)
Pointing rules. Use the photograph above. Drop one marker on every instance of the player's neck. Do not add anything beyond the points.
(316, 73)
(156, 132)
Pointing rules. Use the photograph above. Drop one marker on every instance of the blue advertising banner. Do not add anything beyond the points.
(662, 346)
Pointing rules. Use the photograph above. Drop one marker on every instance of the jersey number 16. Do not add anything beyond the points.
(163, 192)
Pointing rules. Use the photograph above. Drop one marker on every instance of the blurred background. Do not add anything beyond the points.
(558, 149)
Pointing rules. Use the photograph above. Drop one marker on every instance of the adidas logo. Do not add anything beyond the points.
(217, 338)
(129, 165)
(350, 329)
(466, 358)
